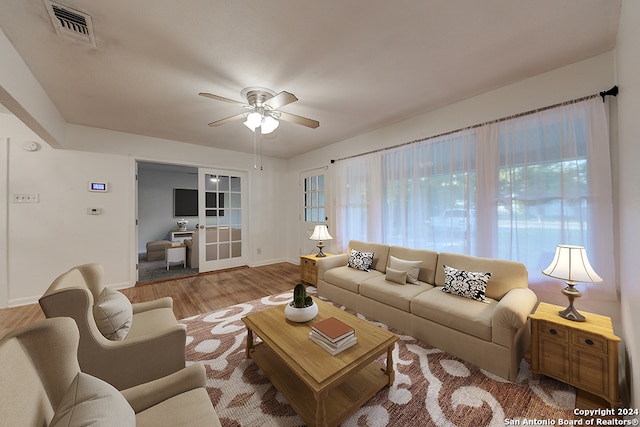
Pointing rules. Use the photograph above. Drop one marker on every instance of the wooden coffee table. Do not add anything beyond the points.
(323, 389)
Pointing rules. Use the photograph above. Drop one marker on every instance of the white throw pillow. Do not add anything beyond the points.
(360, 260)
(466, 283)
(89, 401)
(113, 314)
(411, 267)
(396, 276)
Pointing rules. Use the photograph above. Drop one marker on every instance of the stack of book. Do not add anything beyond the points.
(333, 335)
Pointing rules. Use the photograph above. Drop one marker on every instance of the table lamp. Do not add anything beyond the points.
(570, 263)
(320, 233)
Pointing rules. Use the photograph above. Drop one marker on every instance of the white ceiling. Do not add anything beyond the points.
(355, 65)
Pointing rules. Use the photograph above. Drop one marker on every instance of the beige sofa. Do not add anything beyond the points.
(41, 385)
(493, 335)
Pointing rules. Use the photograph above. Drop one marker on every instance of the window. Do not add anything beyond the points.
(513, 189)
(314, 199)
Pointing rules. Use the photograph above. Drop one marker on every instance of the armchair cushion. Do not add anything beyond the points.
(113, 314)
(91, 401)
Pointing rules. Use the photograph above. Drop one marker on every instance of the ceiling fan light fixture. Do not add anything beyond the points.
(253, 120)
(269, 124)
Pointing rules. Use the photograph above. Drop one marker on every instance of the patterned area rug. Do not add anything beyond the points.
(431, 388)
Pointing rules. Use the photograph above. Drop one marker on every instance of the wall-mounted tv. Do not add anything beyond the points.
(185, 203)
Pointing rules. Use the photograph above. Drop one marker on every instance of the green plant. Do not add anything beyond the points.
(300, 297)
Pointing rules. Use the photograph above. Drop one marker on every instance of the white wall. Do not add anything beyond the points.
(628, 63)
(47, 238)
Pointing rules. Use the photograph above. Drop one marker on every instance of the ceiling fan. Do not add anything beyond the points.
(264, 105)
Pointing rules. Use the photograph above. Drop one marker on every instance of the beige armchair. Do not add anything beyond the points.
(146, 344)
(41, 385)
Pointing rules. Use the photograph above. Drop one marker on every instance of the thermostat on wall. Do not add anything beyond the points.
(99, 187)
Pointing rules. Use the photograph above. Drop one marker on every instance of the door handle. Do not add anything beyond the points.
(202, 227)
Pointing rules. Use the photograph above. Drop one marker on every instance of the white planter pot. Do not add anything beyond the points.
(300, 314)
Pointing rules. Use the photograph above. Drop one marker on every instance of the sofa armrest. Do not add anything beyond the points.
(324, 264)
(144, 396)
(514, 308)
(166, 302)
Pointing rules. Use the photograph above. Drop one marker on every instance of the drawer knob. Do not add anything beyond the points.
(588, 341)
(553, 331)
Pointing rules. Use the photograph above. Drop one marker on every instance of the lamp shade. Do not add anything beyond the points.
(571, 263)
(253, 120)
(321, 232)
(269, 124)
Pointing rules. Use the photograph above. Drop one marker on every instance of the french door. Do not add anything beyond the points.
(222, 219)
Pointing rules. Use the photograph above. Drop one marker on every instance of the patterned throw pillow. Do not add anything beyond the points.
(360, 260)
(465, 283)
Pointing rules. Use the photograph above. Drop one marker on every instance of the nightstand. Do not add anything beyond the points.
(309, 270)
(581, 354)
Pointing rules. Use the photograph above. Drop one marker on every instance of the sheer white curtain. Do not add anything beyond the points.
(513, 189)
(359, 204)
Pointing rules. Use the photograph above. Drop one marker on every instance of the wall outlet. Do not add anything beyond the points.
(26, 198)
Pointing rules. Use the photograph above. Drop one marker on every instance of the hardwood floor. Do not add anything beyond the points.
(191, 295)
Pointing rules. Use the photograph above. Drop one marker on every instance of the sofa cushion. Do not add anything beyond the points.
(468, 284)
(360, 260)
(412, 268)
(505, 274)
(91, 401)
(392, 294)
(113, 314)
(349, 278)
(463, 314)
(396, 276)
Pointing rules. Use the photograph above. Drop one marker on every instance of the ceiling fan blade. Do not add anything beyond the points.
(280, 100)
(298, 119)
(228, 120)
(221, 98)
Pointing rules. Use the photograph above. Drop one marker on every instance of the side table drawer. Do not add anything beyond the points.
(589, 342)
(553, 331)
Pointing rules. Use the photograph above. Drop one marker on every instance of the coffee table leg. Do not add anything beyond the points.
(390, 371)
(249, 342)
(321, 411)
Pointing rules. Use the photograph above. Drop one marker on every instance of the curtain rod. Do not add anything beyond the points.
(611, 92)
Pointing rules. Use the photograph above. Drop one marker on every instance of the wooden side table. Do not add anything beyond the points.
(582, 354)
(176, 253)
(309, 270)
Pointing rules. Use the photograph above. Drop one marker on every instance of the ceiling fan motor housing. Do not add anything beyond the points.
(257, 96)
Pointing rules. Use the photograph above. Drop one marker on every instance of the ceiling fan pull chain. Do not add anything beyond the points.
(255, 151)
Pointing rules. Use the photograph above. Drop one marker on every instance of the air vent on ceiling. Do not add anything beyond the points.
(70, 22)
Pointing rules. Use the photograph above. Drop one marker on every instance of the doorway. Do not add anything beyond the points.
(222, 198)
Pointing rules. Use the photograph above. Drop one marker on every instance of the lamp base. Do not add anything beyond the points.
(570, 313)
(320, 247)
